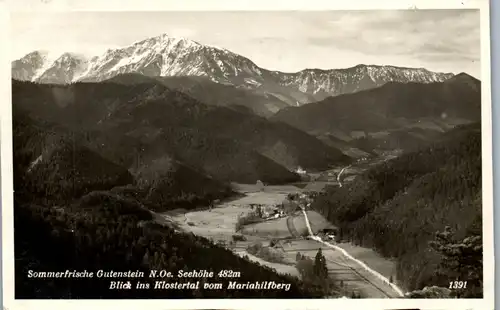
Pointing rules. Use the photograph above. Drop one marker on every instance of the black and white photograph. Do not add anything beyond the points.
(327, 154)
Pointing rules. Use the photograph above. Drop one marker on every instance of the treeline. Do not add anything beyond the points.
(406, 139)
(398, 206)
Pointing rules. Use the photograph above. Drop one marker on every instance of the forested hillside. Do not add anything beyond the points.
(135, 125)
(405, 140)
(104, 231)
(393, 106)
(397, 207)
(73, 210)
(212, 93)
(92, 161)
(52, 161)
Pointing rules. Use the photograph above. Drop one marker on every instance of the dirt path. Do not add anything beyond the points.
(340, 174)
(340, 267)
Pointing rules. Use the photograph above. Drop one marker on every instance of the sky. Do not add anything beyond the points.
(439, 40)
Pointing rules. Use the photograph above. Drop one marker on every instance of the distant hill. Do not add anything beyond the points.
(134, 125)
(48, 162)
(398, 206)
(404, 139)
(165, 184)
(354, 150)
(392, 106)
(209, 92)
(54, 163)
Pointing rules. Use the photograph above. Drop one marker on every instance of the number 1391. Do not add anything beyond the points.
(458, 284)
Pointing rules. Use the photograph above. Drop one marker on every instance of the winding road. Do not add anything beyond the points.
(340, 173)
(373, 273)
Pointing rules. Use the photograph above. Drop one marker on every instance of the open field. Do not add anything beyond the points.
(280, 268)
(380, 264)
(219, 224)
(317, 186)
(353, 276)
(276, 189)
(316, 220)
(273, 229)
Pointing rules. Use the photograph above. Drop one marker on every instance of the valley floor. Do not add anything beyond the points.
(219, 224)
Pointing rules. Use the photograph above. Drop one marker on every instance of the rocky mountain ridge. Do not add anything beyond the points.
(167, 56)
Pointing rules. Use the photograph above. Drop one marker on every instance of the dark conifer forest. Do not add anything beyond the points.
(402, 207)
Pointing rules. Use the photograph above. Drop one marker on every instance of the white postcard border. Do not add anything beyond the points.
(240, 5)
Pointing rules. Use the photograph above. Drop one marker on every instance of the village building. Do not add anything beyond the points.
(299, 170)
(260, 185)
(328, 233)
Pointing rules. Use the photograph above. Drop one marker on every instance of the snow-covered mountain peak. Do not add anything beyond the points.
(39, 56)
(32, 65)
(163, 43)
(164, 55)
(36, 54)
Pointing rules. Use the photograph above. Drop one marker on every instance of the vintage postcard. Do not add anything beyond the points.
(303, 154)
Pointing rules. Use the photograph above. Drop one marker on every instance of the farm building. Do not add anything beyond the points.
(277, 213)
(300, 170)
(260, 185)
(328, 233)
(330, 230)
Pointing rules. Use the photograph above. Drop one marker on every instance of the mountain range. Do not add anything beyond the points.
(393, 116)
(373, 108)
(165, 56)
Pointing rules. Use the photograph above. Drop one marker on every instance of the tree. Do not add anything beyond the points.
(320, 268)
(259, 211)
(305, 266)
(145, 258)
(461, 260)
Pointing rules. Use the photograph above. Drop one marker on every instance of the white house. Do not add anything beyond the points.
(300, 170)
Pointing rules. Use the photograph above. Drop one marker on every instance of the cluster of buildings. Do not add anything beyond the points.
(269, 212)
(302, 200)
(291, 204)
(300, 171)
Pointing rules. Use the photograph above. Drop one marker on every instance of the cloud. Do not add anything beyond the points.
(430, 36)
(400, 31)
